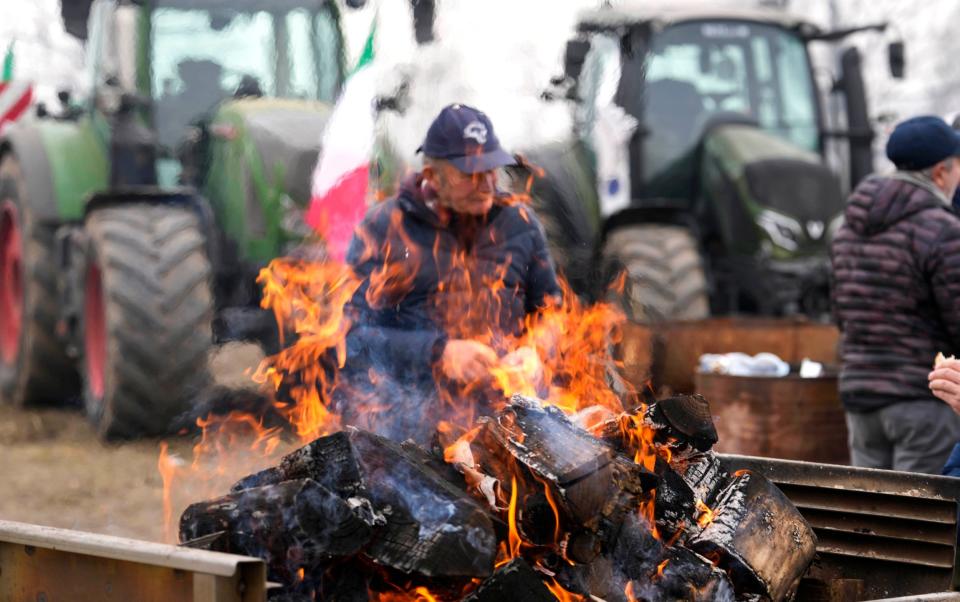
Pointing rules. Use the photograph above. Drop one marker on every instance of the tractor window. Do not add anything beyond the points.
(202, 56)
(699, 72)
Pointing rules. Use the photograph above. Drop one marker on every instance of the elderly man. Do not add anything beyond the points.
(450, 268)
(896, 296)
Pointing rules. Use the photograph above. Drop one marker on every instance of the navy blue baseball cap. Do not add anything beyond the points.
(464, 136)
(921, 142)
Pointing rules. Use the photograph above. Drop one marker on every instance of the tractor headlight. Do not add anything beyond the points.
(785, 232)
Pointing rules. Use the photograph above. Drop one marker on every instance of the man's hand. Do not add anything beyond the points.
(467, 361)
(945, 382)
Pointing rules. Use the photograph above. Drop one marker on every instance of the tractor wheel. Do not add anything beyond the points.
(146, 322)
(664, 272)
(34, 366)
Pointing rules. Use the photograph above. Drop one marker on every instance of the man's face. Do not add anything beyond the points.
(471, 194)
(947, 176)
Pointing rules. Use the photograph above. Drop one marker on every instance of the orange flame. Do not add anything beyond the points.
(661, 567)
(167, 466)
(562, 594)
(514, 535)
(706, 514)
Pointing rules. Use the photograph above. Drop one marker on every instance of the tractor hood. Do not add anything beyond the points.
(787, 191)
(286, 135)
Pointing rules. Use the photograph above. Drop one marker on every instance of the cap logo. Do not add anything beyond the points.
(477, 131)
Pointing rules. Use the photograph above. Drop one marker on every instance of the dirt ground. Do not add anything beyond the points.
(55, 471)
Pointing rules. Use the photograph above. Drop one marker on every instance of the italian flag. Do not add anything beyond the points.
(339, 195)
(15, 96)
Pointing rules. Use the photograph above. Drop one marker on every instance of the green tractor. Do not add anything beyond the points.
(134, 222)
(698, 166)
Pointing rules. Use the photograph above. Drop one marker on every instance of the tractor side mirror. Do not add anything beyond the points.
(574, 57)
(896, 56)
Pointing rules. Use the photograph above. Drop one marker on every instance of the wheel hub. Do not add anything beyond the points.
(95, 332)
(11, 283)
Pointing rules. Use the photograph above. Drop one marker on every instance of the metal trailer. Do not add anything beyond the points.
(44, 564)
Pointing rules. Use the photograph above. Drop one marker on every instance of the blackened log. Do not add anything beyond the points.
(675, 506)
(657, 572)
(757, 536)
(328, 460)
(291, 525)
(685, 419)
(513, 582)
(705, 475)
(582, 469)
(683, 575)
(433, 528)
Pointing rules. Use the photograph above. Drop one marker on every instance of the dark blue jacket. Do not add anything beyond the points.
(952, 467)
(418, 271)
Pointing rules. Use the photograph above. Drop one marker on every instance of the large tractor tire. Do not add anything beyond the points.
(146, 322)
(34, 366)
(664, 272)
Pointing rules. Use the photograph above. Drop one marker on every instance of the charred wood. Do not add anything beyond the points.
(291, 525)
(757, 536)
(432, 528)
(328, 460)
(513, 582)
(685, 419)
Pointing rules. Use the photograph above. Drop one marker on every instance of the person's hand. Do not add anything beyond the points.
(524, 370)
(945, 383)
(467, 361)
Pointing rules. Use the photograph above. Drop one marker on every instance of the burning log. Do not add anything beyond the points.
(685, 419)
(584, 474)
(292, 525)
(758, 536)
(328, 460)
(433, 528)
(512, 582)
(422, 522)
(399, 519)
(649, 569)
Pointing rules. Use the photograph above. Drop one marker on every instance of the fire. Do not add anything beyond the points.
(419, 594)
(628, 593)
(556, 513)
(308, 299)
(661, 567)
(560, 354)
(706, 514)
(513, 538)
(562, 594)
(167, 465)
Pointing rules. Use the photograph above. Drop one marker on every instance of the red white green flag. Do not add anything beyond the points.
(339, 198)
(15, 96)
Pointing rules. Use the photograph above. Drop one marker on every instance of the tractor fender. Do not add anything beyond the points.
(25, 143)
(63, 164)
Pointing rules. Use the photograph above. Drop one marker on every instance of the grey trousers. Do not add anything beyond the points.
(914, 436)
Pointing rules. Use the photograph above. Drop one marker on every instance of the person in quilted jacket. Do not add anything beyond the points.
(896, 300)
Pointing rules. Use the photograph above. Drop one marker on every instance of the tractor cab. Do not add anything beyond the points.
(181, 61)
(705, 124)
